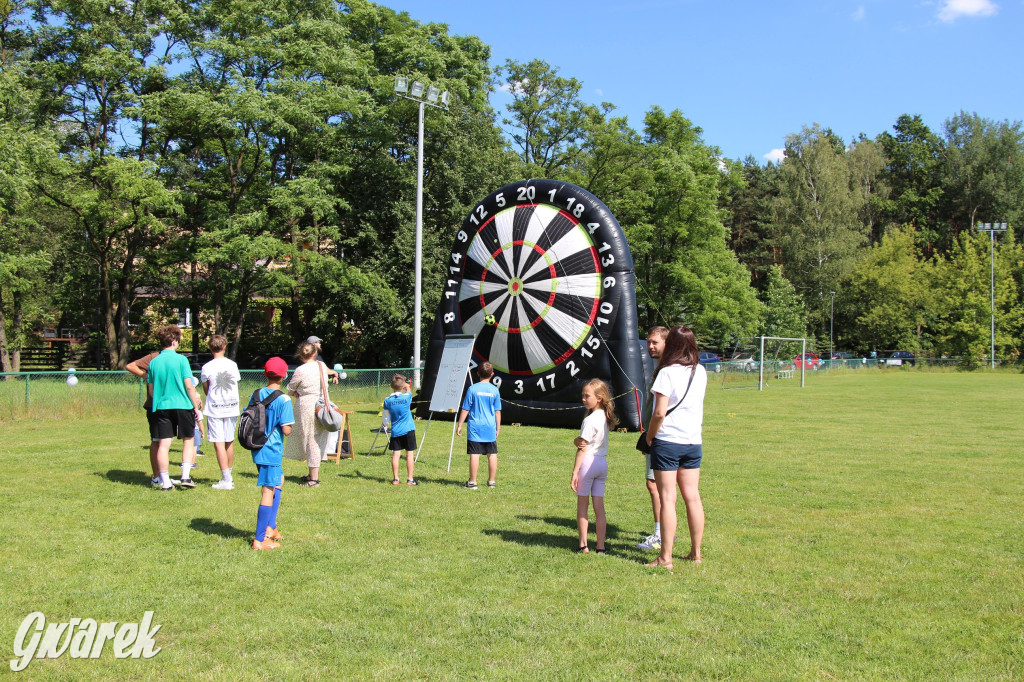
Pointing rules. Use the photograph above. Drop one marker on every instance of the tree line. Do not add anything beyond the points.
(249, 162)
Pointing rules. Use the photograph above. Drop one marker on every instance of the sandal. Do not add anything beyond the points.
(582, 550)
(310, 483)
(602, 550)
(395, 481)
(660, 563)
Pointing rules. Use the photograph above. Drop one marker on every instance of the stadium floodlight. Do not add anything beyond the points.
(415, 92)
(992, 228)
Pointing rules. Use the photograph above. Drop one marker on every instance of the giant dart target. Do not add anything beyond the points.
(540, 273)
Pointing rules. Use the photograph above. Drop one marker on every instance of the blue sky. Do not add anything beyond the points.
(750, 72)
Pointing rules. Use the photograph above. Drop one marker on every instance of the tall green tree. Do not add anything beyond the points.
(686, 271)
(818, 215)
(889, 294)
(784, 308)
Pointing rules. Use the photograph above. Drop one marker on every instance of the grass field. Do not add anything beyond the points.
(869, 526)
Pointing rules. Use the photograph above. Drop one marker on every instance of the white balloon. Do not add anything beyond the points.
(72, 380)
(343, 375)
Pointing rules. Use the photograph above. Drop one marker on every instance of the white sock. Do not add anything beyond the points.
(186, 467)
(657, 529)
(165, 479)
(225, 475)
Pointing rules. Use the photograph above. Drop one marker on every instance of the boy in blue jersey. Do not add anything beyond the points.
(403, 428)
(267, 459)
(482, 405)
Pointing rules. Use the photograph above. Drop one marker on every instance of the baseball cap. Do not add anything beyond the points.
(314, 339)
(276, 367)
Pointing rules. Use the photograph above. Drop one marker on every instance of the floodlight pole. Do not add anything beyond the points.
(992, 228)
(831, 321)
(401, 88)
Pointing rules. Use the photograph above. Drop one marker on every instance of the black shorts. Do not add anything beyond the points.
(475, 447)
(407, 441)
(165, 424)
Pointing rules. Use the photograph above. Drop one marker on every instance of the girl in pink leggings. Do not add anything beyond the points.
(591, 469)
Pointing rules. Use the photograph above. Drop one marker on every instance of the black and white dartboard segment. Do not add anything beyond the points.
(531, 275)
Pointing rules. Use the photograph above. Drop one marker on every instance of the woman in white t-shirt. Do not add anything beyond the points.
(674, 436)
(590, 470)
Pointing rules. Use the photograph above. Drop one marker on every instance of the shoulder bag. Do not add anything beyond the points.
(327, 413)
(641, 443)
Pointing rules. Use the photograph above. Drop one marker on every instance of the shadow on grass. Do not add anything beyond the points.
(126, 477)
(359, 474)
(224, 530)
(568, 542)
(567, 522)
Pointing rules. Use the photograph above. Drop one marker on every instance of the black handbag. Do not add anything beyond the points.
(641, 443)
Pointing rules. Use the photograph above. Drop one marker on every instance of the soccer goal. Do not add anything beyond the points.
(781, 358)
(739, 363)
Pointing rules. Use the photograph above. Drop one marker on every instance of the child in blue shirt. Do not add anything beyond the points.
(403, 428)
(482, 405)
(268, 458)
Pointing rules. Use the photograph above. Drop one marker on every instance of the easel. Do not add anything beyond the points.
(452, 374)
(344, 435)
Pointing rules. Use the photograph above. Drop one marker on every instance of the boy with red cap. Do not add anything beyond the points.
(268, 458)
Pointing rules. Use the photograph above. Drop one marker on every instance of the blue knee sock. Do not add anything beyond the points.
(277, 504)
(263, 515)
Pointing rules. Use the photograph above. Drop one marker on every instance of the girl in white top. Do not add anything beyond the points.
(674, 437)
(591, 469)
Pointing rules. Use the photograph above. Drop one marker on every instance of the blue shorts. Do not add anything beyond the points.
(269, 475)
(666, 456)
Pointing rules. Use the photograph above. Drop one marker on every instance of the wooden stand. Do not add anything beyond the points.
(345, 434)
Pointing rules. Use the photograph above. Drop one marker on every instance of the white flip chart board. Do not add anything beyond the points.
(456, 360)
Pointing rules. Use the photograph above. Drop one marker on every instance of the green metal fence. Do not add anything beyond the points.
(87, 392)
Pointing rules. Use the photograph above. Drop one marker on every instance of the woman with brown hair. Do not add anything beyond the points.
(308, 438)
(674, 437)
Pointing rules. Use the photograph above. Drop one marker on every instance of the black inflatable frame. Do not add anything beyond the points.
(609, 347)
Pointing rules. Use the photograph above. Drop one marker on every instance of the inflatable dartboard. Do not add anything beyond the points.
(532, 274)
(540, 273)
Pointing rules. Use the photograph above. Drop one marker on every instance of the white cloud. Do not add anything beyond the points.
(858, 13)
(776, 155)
(954, 9)
(600, 92)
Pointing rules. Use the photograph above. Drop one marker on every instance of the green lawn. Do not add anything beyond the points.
(869, 526)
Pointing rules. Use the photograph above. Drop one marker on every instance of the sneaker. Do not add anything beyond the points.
(412, 482)
(395, 481)
(187, 483)
(266, 544)
(652, 541)
(490, 484)
(472, 486)
(155, 482)
(273, 535)
(199, 453)
(166, 488)
(223, 485)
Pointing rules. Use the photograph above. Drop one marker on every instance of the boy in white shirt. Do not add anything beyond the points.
(220, 379)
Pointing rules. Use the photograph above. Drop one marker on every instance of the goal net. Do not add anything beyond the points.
(783, 361)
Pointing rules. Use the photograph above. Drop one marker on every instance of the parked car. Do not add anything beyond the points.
(713, 361)
(841, 355)
(807, 361)
(898, 358)
(745, 362)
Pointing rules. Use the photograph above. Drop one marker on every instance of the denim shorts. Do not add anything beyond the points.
(666, 456)
(269, 475)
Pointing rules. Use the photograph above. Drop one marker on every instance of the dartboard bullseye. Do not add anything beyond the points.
(529, 277)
